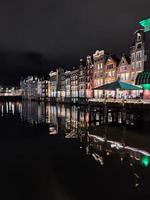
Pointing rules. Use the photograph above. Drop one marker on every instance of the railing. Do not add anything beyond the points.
(121, 101)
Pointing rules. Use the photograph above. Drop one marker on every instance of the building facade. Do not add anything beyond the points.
(60, 84)
(137, 54)
(42, 89)
(67, 86)
(74, 85)
(98, 71)
(53, 84)
(82, 80)
(29, 87)
(89, 78)
(124, 69)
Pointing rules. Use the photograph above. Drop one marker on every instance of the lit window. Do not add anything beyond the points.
(138, 37)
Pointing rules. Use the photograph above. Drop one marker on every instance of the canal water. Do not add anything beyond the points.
(70, 152)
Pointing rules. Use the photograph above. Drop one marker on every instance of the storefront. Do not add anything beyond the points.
(143, 79)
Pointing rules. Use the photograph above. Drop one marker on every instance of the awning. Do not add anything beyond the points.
(143, 78)
(118, 85)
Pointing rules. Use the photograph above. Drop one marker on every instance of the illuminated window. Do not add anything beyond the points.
(139, 55)
(138, 37)
(113, 73)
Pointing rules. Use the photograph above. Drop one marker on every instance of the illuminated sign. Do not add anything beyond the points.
(146, 86)
(146, 24)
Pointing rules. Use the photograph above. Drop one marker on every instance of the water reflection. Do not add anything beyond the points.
(100, 140)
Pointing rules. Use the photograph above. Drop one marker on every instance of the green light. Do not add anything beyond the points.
(146, 86)
(145, 161)
(146, 24)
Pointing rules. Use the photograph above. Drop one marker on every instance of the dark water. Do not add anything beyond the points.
(58, 152)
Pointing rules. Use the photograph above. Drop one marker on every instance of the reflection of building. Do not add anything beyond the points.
(33, 112)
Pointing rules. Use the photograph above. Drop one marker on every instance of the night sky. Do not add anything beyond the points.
(39, 35)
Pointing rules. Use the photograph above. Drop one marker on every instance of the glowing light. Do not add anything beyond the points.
(146, 24)
(146, 86)
(145, 161)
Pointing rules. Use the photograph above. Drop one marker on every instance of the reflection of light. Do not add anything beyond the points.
(7, 107)
(145, 161)
(134, 152)
(113, 145)
(97, 137)
(2, 110)
(118, 145)
(13, 109)
(98, 158)
(137, 150)
(52, 131)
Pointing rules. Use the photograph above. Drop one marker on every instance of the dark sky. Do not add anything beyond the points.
(36, 35)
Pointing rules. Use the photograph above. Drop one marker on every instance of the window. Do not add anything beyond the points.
(113, 73)
(138, 37)
(110, 66)
(139, 46)
(139, 65)
(127, 76)
(139, 55)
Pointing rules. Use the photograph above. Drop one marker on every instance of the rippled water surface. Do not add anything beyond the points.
(66, 152)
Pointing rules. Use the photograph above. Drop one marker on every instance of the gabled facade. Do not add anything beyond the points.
(98, 68)
(53, 84)
(67, 85)
(124, 70)
(89, 78)
(60, 84)
(137, 54)
(82, 79)
(74, 81)
(98, 71)
(110, 69)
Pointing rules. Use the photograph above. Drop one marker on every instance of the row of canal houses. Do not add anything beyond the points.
(79, 84)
